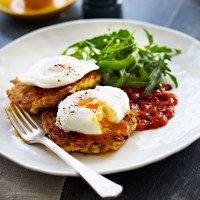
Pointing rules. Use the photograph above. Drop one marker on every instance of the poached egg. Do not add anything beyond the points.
(57, 71)
(86, 110)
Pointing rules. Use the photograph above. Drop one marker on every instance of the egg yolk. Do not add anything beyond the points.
(104, 114)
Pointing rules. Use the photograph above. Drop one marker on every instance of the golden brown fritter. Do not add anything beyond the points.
(33, 98)
(113, 137)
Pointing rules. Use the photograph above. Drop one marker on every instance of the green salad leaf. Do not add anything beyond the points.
(123, 63)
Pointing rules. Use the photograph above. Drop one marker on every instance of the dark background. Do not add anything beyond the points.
(175, 178)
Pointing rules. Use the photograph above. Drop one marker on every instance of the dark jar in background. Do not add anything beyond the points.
(102, 8)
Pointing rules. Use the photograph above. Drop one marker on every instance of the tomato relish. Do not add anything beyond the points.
(155, 110)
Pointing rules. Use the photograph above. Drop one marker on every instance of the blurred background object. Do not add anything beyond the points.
(34, 9)
(36, 4)
(102, 8)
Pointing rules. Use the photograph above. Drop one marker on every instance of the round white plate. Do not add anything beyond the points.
(141, 148)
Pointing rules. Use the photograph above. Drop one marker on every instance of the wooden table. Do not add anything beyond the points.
(175, 178)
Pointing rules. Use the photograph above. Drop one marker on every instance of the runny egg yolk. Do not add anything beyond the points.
(104, 114)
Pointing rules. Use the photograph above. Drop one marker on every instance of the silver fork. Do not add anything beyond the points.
(31, 132)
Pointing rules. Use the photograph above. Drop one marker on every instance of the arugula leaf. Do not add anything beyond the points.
(123, 63)
(155, 78)
(173, 78)
(149, 37)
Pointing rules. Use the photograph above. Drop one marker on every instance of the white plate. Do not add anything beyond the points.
(141, 148)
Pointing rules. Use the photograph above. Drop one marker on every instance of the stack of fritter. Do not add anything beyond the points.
(44, 102)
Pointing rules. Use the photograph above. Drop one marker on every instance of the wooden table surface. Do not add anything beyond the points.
(175, 178)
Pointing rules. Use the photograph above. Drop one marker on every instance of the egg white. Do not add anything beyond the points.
(72, 117)
(56, 71)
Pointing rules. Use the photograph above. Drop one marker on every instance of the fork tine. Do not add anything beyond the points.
(21, 113)
(19, 121)
(29, 117)
(14, 122)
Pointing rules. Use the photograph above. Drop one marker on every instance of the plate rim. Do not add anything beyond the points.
(129, 167)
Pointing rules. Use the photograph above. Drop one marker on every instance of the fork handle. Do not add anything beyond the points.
(103, 186)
